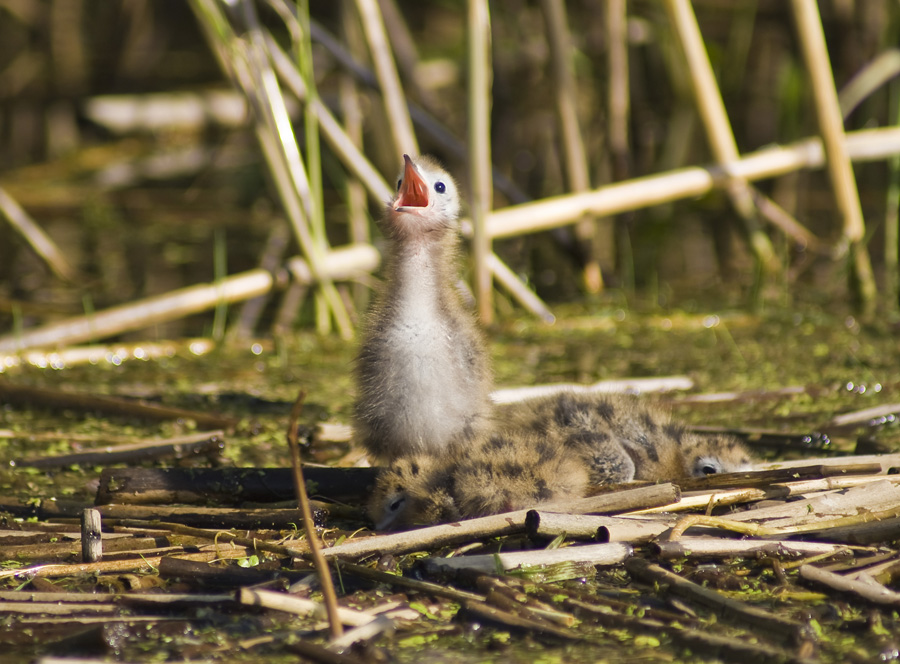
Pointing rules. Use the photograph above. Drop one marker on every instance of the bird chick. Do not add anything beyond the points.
(499, 473)
(413, 491)
(621, 438)
(423, 374)
(713, 454)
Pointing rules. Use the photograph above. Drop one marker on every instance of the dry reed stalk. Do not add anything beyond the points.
(885, 529)
(148, 599)
(595, 554)
(886, 461)
(625, 385)
(479, 114)
(618, 92)
(716, 547)
(140, 451)
(340, 263)
(499, 524)
(647, 191)
(892, 216)
(245, 61)
(352, 115)
(67, 357)
(539, 523)
(712, 499)
(399, 124)
(780, 490)
(869, 590)
(144, 564)
(309, 526)
(36, 238)
(840, 170)
(70, 609)
(708, 100)
(338, 139)
(574, 153)
(56, 399)
(872, 76)
(357, 163)
(861, 417)
(300, 606)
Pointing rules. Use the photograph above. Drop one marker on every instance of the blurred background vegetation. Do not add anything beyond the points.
(125, 142)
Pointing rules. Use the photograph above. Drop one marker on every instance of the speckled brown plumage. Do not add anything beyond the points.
(550, 450)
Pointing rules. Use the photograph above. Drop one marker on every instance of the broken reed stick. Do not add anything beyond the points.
(54, 609)
(496, 525)
(724, 606)
(179, 447)
(309, 526)
(625, 385)
(869, 590)
(300, 606)
(701, 548)
(594, 554)
(91, 539)
(634, 530)
(692, 181)
(339, 264)
(139, 564)
(53, 398)
(229, 486)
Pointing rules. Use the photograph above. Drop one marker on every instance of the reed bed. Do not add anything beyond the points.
(581, 131)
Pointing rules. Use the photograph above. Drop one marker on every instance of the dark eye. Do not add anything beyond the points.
(440, 187)
(709, 469)
(396, 504)
(399, 182)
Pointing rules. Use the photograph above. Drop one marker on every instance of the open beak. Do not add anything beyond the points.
(413, 192)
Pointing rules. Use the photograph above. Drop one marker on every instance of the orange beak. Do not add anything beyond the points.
(413, 192)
